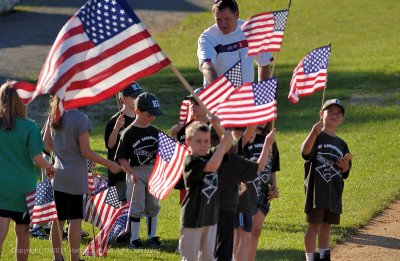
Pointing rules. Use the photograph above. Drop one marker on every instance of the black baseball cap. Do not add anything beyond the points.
(133, 90)
(149, 102)
(333, 102)
(191, 97)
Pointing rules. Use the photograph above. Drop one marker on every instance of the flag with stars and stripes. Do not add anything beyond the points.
(41, 205)
(310, 74)
(185, 114)
(100, 207)
(250, 104)
(113, 228)
(100, 50)
(264, 32)
(221, 87)
(168, 168)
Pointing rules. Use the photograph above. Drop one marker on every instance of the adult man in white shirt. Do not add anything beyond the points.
(223, 44)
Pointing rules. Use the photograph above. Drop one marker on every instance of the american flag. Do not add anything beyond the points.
(221, 87)
(100, 50)
(41, 205)
(185, 114)
(112, 229)
(168, 168)
(91, 178)
(264, 32)
(250, 104)
(102, 206)
(310, 74)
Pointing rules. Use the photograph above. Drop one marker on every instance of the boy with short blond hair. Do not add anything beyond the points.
(199, 212)
(328, 163)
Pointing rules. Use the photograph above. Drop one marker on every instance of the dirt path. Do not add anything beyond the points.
(379, 240)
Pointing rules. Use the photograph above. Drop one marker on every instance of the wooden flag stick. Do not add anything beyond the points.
(326, 83)
(187, 86)
(118, 104)
(323, 97)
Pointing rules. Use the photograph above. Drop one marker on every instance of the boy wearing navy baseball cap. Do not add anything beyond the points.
(328, 163)
(137, 152)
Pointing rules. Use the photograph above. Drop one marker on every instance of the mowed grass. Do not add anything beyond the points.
(364, 71)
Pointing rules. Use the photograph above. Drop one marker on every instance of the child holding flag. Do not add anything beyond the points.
(137, 152)
(68, 138)
(328, 163)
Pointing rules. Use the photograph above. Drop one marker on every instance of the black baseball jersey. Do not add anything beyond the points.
(138, 145)
(323, 178)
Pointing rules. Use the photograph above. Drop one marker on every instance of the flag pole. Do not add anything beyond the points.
(118, 103)
(91, 211)
(60, 235)
(187, 86)
(326, 83)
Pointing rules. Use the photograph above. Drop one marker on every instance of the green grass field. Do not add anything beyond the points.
(364, 71)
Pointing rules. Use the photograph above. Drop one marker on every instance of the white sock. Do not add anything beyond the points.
(309, 256)
(135, 229)
(322, 252)
(151, 226)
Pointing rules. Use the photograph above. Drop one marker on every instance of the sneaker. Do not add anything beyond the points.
(38, 232)
(327, 256)
(124, 238)
(65, 233)
(136, 244)
(155, 241)
(47, 228)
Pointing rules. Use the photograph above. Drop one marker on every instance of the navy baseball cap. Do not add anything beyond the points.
(133, 90)
(191, 97)
(333, 102)
(149, 102)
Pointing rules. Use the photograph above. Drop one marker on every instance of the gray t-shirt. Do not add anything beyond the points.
(71, 166)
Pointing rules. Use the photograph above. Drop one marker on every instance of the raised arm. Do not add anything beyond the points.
(112, 139)
(263, 159)
(216, 159)
(263, 72)
(307, 145)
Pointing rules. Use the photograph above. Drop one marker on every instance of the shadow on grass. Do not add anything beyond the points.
(284, 254)
(374, 240)
(168, 246)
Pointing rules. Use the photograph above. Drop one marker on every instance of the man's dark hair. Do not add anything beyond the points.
(222, 4)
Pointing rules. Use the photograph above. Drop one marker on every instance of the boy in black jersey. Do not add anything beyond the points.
(199, 212)
(328, 163)
(115, 126)
(136, 152)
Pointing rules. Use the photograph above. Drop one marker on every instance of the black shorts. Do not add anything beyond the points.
(262, 203)
(244, 220)
(323, 215)
(68, 206)
(20, 218)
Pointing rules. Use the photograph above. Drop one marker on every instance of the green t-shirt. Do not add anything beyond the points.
(18, 147)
